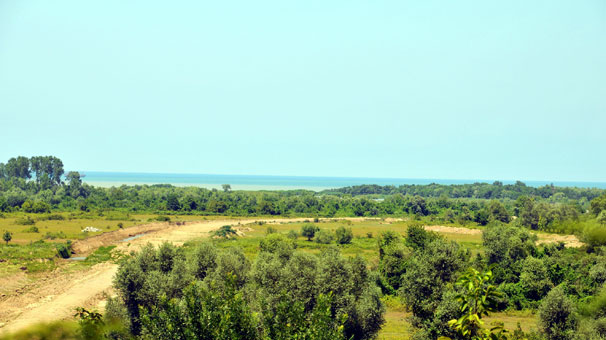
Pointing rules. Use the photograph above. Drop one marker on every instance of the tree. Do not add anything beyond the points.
(203, 313)
(309, 230)
(204, 260)
(74, 184)
(598, 205)
(344, 235)
(172, 202)
(507, 247)
(478, 298)
(498, 212)
(7, 237)
(427, 273)
(534, 278)
(527, 212)
(417, 237)
(226, 187)
(18, 167)
(557, 316)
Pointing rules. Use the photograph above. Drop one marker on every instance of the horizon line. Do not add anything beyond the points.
(349, 177)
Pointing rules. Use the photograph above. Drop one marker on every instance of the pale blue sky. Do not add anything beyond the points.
(412, 89)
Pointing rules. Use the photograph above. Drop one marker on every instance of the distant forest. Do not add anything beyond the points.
(38, 185)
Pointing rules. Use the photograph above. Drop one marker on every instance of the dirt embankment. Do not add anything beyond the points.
(570, 241)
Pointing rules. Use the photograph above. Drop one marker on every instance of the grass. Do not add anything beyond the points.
(361, 244)
(71, 224)
(34, 257)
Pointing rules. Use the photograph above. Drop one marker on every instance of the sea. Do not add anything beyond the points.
(259, 182)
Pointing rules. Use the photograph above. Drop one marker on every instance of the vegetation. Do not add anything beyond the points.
(309, 297)
(7, 237)
(274, 283)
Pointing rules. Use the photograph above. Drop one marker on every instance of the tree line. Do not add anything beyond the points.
(496, 190)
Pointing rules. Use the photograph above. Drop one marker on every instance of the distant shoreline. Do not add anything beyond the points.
(260, 182)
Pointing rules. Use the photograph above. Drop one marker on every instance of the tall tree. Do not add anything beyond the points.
(18, 167)
(74, 184)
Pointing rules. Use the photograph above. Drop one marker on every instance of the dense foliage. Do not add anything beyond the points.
(213, 294)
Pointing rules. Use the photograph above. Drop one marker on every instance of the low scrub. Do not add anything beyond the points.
(25, 221)
(54, 235)
(32, 229)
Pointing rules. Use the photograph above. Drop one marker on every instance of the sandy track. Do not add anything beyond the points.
(56, 298)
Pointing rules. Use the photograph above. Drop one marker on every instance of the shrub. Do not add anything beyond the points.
(292, 234)
(32, 229)
(369, 235)
(386, 239)
(324, 237)
(54, 235)
(557, 316)
(203, 260)
(7, 237)
(270, 230)
(534, 279)
(163, 219)
(64, 250)
(417, 237)
(427, 274)
(344, 235)
(594, 234)
(309, 230)
(51, 217)
(277, 244)
(25, 221)
(225, 231)
(120, 225)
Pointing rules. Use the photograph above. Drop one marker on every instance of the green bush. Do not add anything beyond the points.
(32, 229)
(309, 230)
(324, 237)
(64, 250)
(225, 231)
(344, 235)
(270, 230)
(277, 244)
(557, 316)
(54, 235)
(25, 221)
(51, 217)
(594, 234)
(163, 219)
(534, 279)
(292, 234)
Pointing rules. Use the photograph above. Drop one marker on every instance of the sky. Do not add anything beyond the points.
(404, 89)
